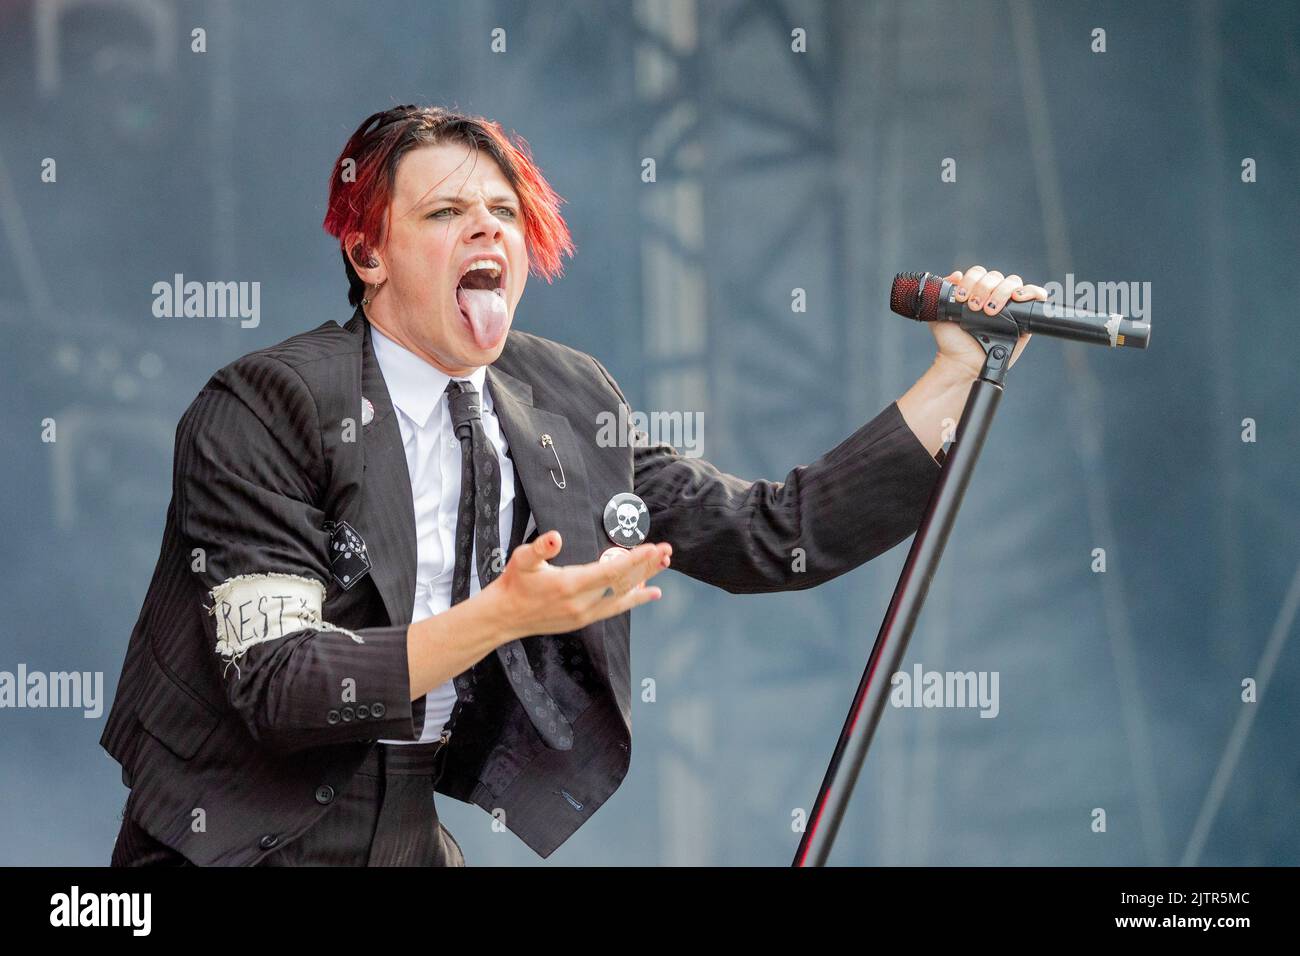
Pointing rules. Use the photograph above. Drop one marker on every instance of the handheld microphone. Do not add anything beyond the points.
(930, 298)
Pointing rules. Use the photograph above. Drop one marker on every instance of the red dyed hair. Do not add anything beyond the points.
(361, 184)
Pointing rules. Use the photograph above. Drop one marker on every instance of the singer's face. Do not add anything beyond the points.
(451, 204)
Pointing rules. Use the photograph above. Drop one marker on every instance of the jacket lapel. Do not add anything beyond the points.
(387, 509)
(541, 468)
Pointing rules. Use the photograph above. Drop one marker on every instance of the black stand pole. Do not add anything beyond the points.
(905, 606)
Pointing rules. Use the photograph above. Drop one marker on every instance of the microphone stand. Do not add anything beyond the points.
(909, 594)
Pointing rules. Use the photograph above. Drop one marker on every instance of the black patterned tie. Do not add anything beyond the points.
(477, 523)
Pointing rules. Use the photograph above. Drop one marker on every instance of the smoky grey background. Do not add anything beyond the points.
(775, 171)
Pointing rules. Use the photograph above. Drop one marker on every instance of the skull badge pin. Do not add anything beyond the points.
(627, 520)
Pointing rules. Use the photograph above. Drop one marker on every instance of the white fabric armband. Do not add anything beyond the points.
(252, 608)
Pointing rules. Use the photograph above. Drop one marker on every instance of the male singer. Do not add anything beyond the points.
(381, 573)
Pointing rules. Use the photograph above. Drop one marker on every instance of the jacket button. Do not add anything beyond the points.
(347, 714)
(362, 711)
(324, 793)
(268, 841)
(377, 710)
(332, 717)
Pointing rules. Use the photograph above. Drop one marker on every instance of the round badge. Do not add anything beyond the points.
(367, 411)
(627, 520)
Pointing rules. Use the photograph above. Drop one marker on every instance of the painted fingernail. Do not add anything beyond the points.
(974, 303)
(992, 306)
(961, 293)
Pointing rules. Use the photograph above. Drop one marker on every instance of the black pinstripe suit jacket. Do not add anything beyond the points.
(228, 763)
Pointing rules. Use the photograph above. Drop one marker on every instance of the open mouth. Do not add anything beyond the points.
(482, 275)
(480, 296)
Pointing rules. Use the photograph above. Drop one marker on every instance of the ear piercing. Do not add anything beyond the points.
(370, 262)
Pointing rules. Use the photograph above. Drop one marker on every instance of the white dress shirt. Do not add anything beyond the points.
(433, 460)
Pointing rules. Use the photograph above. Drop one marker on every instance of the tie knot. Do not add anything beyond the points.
(463, 399)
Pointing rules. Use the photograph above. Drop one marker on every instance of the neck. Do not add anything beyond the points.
(390, 329)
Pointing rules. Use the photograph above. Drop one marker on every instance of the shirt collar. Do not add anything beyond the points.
(415, 386)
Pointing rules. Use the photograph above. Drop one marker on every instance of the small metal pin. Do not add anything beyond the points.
(548, 443)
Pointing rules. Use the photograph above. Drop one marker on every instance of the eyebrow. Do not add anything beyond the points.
(445, 198)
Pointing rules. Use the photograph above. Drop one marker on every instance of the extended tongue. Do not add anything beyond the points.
(487, 314)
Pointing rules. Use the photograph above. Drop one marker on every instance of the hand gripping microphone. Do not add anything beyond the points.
(929, 298)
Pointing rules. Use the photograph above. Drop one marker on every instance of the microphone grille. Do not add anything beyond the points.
(915, 295)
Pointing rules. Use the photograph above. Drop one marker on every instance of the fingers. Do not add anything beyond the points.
(618, 588)
(997, 298)
(620, 573)
(633, 578)
(980, 290)
(541, 549)
(634, 598)
(627, 573)
(1028, 292)
(989, 291)
(617, 568)
(967, 282)
(618, 583)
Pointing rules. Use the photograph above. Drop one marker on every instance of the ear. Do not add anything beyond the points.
(367, 261)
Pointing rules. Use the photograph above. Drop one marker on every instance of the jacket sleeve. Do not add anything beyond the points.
(852, 504)
(249, 467)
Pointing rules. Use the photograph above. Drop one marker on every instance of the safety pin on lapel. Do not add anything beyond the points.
(547, 443)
